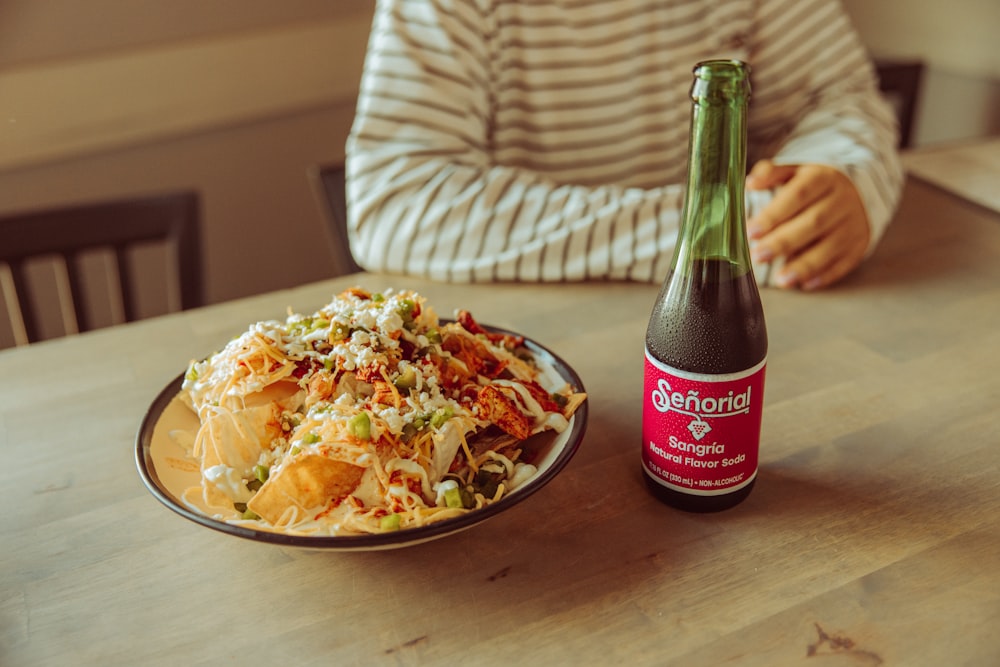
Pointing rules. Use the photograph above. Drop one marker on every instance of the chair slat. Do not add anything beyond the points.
(172, 219)
(24, 305)
(75, 275)
(125, 282)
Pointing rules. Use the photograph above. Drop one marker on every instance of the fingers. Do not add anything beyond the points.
(765, 175)
(795, 226)
(817, 223)
(825, 262)
(808, 185)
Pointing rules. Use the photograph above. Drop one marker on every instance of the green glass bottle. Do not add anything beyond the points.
(706, 343)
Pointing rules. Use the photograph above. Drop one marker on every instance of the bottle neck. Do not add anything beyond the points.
(713, 225)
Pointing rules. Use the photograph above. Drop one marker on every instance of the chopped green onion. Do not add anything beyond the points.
(310, 438)
(389, 522)
(340, 331)
(407, 379)
(405, 311)
(261, 473)
(453, 498)
(440, 416)
(360, 426)
(409, 430)
(250, 515)
(487, 482)
(434, 337)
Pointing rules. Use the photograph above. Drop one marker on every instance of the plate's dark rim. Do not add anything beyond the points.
(147, 472)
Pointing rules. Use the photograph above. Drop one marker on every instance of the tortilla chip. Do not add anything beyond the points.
(305, 482)
(236, 439)
(285, 393)
(573, 401)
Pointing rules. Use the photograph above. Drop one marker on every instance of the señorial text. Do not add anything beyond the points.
(664, 399)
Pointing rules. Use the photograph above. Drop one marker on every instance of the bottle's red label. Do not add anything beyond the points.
(701, 433)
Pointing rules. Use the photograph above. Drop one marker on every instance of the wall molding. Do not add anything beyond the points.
(62, 110)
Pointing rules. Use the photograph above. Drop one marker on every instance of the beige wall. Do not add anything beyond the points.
(958, 36)
(957, 41)
(238, 98)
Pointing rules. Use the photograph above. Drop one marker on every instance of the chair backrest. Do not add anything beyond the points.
(329, 185)
(67, 236)
(900, 82)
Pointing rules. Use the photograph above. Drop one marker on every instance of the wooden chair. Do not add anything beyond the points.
(900, 83)
(328, 183)
(68, 239)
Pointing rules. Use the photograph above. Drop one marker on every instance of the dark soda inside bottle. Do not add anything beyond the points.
(713, 322)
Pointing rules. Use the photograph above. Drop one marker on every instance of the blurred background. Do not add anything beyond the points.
(239, 98)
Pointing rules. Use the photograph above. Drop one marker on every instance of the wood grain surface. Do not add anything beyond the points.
(970, 169)
(872, 537)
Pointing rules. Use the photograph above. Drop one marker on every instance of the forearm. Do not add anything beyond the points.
(451, 221)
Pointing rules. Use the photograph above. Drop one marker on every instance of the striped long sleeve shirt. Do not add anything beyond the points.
(546, 140)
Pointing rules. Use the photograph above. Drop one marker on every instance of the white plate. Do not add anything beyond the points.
(167, 471)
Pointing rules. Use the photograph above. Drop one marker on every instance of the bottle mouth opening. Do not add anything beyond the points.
(718, 81)
(721, 69)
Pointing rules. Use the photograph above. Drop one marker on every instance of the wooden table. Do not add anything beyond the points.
(970, 169)
(872, 538)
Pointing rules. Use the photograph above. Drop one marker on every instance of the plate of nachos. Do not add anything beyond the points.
(368, 424)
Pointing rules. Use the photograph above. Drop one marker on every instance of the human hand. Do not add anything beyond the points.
(816, 223)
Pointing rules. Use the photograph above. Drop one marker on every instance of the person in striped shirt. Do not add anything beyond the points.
(546, 140)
